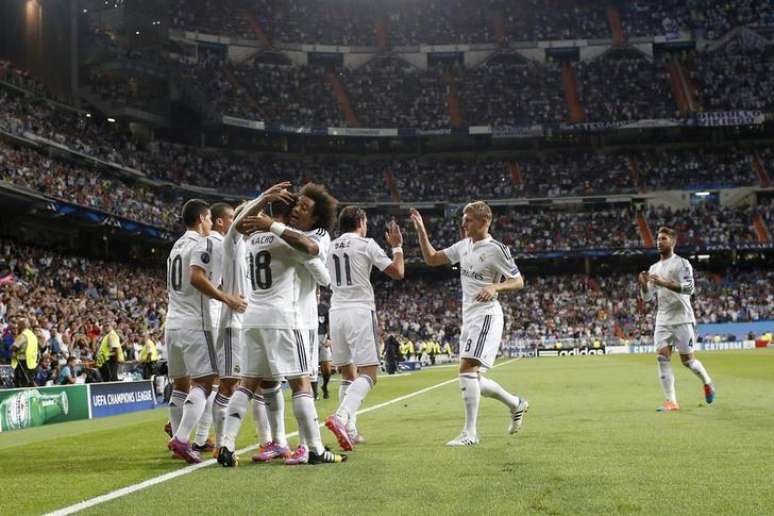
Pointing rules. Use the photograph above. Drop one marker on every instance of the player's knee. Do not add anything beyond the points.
(226, 388)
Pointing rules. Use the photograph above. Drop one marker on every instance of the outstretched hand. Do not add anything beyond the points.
(255, 224)
(393, 235)
(416, 218)
(279, 192)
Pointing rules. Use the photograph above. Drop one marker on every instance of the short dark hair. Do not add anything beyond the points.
(281, 208)
(324, 205)
(667, 231)
(192, 209)
(219, 209)
(350, 218)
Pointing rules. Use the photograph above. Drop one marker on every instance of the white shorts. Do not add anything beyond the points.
(190, 353)
(274, 354)
(354, 337)
(230, 353)
(680, 336)
(323, 352)
(314, 352)
(480, 339)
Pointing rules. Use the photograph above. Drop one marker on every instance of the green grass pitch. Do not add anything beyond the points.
(592, 443)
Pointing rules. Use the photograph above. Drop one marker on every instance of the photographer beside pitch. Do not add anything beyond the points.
(672, 280)
(486, 268)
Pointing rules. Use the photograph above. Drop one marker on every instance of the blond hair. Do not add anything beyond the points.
(478, 209)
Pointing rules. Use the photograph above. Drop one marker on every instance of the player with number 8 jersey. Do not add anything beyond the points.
(486, 269)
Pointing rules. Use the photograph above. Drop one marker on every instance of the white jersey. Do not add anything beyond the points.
(188, 308)
(216, 273)
(673, 308)
(308, 283)
(234, 277)
(274, 283)
(482, 263)
(349, 264)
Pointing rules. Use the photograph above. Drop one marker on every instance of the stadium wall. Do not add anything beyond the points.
(739, 330)
(42, 37)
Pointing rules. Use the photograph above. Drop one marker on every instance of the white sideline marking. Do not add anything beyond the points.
(118, 493)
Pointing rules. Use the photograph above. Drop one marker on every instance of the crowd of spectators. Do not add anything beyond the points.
(624, 86)
(293, 95)
(708, 225)
(691, 168)
(86, 187)
(736, 78)
(508, 90)
(571, 306)
(211, 17)
(70, 302)
(388, 92)
(641, 18)
(437, 22)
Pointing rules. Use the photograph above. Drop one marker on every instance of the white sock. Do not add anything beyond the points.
(306, 415)
(176, 401)
(698, 369)
(275, 408)
(205, 422)
(491, 389)
(192, 412)
(354, 397)
(667, 377)
(235, 413)
(261, 419)
(343, 386)
(219, 406)
(471, 397)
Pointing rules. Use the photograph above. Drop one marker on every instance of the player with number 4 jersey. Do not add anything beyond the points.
(670, 282)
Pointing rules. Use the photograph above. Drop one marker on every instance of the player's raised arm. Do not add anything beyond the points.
(429, 254)
(277, 193)
(396, 269)
(295, 239)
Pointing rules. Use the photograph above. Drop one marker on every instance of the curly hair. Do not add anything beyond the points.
(324, 205)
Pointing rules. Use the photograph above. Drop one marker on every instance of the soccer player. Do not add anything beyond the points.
(228, 341)
(670, 282)
(188, 329)
(314, 214)
(353, 324)
(273, 345)
(486, 269)
(227, 349)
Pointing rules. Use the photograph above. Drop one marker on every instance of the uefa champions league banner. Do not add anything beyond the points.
(37, 406)
(25, 408)
(109, 399)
